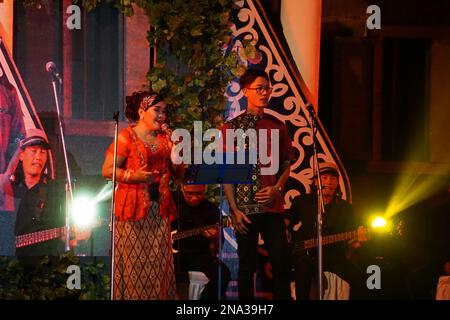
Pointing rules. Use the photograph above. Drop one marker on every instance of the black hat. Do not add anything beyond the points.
(329, 167)
(35, 137)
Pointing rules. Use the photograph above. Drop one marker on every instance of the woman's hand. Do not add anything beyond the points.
(142, 175)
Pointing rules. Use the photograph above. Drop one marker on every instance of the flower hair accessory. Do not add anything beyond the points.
(147, 102)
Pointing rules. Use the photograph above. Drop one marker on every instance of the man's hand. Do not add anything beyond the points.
(77, 234)
(361, 236)
(239, 220)
(266, 195)
(82, 234)
(211, 233)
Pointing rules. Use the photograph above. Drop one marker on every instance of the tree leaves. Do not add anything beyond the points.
(42, 278)
(191, 32)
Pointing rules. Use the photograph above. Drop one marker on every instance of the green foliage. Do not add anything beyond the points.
(44, 278)
(191, 33)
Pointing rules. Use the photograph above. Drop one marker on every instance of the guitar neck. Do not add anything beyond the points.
(334, 238)
(192, 232)
(196, 231)
(39, 236)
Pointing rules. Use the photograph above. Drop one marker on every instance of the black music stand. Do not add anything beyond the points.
(219, 174)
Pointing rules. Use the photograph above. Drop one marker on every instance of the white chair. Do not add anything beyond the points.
(293, 293)
(197, 282)
(443, 288)
(336, 288)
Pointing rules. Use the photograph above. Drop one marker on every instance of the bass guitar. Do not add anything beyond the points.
(29, 239)
(177, 235)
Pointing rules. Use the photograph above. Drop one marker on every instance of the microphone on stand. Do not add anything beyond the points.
(53, 71)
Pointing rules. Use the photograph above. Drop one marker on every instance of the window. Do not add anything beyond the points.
(96, 67)
(405, 102)
(90, 60)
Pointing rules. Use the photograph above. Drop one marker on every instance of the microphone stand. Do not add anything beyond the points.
(320, 202)
(69, 192)
(219, 267)
(113, 200)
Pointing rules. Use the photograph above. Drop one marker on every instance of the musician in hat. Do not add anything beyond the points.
(338, 218)
(38, 215)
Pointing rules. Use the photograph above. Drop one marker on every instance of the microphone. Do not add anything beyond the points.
(51, 68)
(165, 128)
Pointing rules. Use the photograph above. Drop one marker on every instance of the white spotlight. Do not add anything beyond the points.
(83, 211)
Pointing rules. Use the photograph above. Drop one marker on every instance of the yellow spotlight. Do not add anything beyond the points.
(83, 211)
(379, 222)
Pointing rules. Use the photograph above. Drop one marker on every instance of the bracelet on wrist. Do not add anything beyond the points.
(126, 176)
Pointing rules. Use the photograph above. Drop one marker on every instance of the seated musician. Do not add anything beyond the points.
(197, 250)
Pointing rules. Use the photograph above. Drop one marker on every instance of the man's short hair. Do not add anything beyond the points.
(250, 75)
(184, 185)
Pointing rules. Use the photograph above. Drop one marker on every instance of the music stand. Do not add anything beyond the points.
(219, 174)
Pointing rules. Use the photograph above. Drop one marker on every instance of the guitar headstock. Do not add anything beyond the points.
(399, 229)
(393, 229)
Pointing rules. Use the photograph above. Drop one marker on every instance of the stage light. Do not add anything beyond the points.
(83, 211)
(380, 224)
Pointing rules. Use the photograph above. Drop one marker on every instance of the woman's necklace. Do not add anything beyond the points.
(150, 139)
(151, 142)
